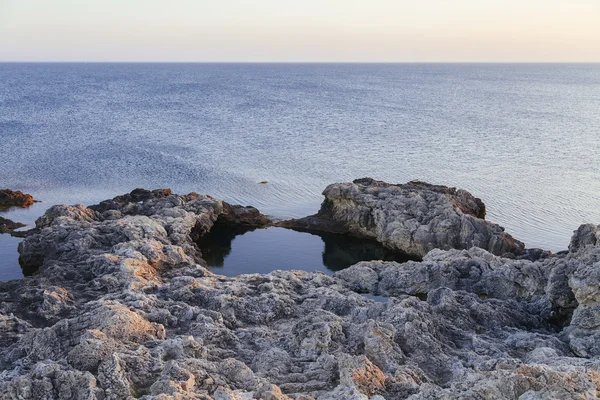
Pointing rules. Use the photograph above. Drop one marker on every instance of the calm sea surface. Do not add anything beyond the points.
(524, 138)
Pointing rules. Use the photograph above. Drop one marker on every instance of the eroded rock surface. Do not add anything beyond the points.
(413, 218)
(10, 198)
(122, 307)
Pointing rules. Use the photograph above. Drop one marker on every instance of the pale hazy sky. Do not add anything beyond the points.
(300, 30)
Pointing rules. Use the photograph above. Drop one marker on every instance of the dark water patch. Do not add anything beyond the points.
(238, 251)
(12, 127)
(9, 262)
(376, 298)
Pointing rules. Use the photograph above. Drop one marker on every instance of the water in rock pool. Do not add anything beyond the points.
(234, 252)
(9, 264)
(522, 137)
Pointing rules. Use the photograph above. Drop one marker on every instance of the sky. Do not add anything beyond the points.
(300, 30)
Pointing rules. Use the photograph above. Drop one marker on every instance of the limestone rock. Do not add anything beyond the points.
(587, 234)
(413, 218)
(123, 306)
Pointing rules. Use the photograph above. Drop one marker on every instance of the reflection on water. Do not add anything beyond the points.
(234, 252)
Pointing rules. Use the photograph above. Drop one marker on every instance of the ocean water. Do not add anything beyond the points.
(525, 137)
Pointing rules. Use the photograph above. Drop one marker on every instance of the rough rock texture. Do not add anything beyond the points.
(9, 198)
(121, 307)
(413, 218)
(587, 234)
(7, 226)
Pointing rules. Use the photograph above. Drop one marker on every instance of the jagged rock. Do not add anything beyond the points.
(413, 218)
(584, 331)
(9, 198)
(587, 234)
(121, 203)
(7, 226)
(240, 216)
(122, 305)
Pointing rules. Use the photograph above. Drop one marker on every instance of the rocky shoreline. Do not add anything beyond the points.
(10, 199)
(123, 306)
(8, 226)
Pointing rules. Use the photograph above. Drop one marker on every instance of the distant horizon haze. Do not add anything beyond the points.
(433, 31)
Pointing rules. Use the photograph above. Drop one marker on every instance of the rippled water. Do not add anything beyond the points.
(524, 138)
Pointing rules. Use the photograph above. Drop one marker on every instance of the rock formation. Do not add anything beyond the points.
(7, 226)
(9, 198)
(123, 306)
(413, 218)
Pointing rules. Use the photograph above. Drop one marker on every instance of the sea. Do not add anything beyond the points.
(525, 138)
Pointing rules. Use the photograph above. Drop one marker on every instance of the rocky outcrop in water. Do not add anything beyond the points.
(413, 218)
(9, 198)
(123, 306)
(7, 226)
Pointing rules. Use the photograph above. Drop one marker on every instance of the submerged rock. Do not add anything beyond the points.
(7, 226)
(122, 306)
(9, 198)
(413, 218)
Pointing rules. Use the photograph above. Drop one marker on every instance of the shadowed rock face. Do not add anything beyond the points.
(413, 218)
(9, 198)
(121, 305)
(585, 235)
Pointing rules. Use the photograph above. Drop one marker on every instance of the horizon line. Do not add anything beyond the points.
(282, 62)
